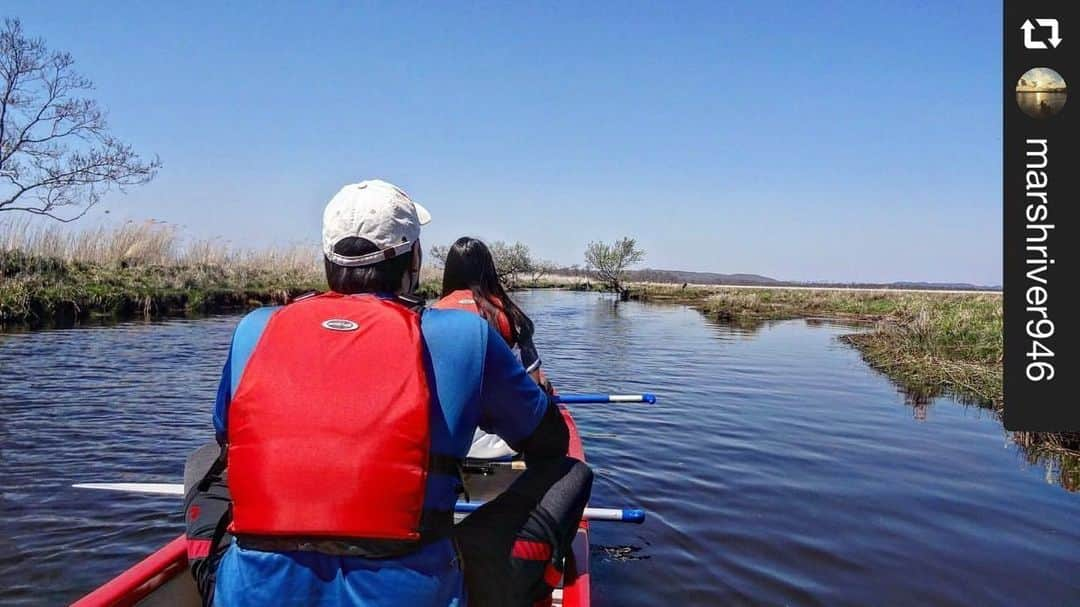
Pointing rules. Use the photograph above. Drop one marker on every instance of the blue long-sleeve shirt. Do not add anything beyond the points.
(475, 381)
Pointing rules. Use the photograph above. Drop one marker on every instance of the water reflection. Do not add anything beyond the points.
(750, 326)
(919, 403)
(1051, 451)
(747, 329)
(1040, 105)
(1056, 452)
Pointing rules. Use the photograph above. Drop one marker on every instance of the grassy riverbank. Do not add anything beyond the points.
(54, 277)
(929, 343)
(49, 276)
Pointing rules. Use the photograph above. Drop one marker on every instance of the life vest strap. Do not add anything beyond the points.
(445, 464)
(450, 466)
(434, 526)
(437, 524)
(374, 549)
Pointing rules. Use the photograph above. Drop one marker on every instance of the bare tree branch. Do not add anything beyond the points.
(438, 255)
(56, 152)
(539, 268)
(609, 262)
(510, 261)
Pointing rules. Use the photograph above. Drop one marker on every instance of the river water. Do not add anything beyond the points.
(777, 468)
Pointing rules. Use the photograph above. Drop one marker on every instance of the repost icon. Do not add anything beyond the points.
(1030, 42)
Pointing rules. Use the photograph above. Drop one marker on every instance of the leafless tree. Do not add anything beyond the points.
(56, 153)
(538, 268)
(609, 262)
(575, 270)
(438, 255)
(510, 261)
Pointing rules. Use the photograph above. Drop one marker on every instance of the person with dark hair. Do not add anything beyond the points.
(471, 283)
(343, 420)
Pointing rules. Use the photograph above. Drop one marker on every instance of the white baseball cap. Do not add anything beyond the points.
(376, 211)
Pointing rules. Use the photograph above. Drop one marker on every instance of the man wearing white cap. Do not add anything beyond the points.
(344, 418)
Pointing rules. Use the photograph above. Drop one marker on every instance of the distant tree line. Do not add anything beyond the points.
(514, 262)
(606, 263)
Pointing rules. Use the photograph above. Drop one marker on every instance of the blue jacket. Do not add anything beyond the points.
(477, 382)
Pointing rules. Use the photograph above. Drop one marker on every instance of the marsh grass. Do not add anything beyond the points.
(928, 343)
(1056, 451)
(52, 276)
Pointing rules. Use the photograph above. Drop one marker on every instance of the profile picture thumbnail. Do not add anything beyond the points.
(1040, 92)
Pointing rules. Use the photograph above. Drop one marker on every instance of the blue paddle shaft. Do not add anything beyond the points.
(581, 399)
(620, 515)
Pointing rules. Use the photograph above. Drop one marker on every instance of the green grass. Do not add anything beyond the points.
(51, 276)
(927, 343)
(138, 269)
(45, 291)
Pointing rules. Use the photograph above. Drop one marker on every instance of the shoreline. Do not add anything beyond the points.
(41, 293)
(927, 343)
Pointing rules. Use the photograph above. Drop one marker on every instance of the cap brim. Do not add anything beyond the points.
(422, 214)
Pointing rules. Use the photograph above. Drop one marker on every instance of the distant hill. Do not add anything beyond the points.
(701, 278)
(950, 286)
(906, 285)
(715, 278)
(681, 276)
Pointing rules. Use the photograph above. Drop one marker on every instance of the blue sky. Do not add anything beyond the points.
(801, 140)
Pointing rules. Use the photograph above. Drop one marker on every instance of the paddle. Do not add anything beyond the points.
(620, 515)
(486, 467)
(582, 399)
(155, 488)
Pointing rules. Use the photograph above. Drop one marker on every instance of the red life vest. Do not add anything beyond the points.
(329, 429)
(463, 299)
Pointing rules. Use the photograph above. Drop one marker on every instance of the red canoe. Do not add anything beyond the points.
(163, 579)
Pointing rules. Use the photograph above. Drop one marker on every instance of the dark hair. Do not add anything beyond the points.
(382, 277)
(469, 265)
